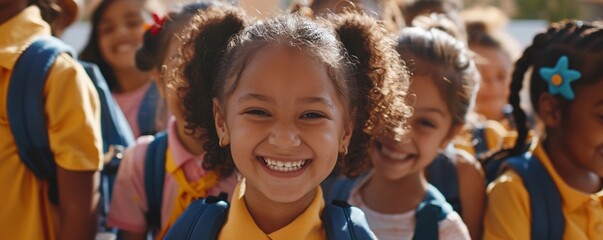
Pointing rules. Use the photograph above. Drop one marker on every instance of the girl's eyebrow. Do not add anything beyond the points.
(320, 100)
(263, 98)
(259, 97)
(429, 109)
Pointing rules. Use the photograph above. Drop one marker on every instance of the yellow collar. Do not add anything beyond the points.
(18, 32)
(240, 224)
(572, 198)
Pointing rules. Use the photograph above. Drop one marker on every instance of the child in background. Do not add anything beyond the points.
(566, 82)
(494, 51)
(186, 179)
(494, 60)
(72, 116)
(393, 192)
(386, 10)
(291, 98)
(411, 9)
(117, 32)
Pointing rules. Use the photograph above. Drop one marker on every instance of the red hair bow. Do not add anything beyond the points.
(157, 24)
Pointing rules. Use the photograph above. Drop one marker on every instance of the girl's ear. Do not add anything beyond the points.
(220, 121)
(451, 135)
(346, 137)
(549, 110)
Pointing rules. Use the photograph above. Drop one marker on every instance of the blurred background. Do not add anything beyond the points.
(527, 16)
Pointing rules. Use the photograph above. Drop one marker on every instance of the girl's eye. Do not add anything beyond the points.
(427, 123)
(312, 115)
(258, 112)
(106, 30)
(133, 23)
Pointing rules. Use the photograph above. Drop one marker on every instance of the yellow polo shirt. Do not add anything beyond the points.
(508, 213)
(73, 122)
(497, 138)
(240, 225)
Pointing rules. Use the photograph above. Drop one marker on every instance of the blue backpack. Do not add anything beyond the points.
(147, 111)
(154, 175)
(204, 218)
(548, 221)
(27, 116)
(432, 209)
(442, 174)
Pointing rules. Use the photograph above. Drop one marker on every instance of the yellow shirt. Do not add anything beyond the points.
(240, 225)
(73, 122)
(508, 213)
(497, 138)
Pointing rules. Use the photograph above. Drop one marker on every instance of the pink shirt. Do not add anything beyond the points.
(129, 201)
(130, 105)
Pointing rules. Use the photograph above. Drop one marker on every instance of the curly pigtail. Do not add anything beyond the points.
(205, 42)
(380, 84)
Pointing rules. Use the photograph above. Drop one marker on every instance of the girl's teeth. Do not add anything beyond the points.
(394, 155)
(283, 166)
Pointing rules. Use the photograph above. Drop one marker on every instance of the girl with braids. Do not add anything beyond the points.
(566, 82)
(393, 193)
(72, 110)
(184, 178)
(117, 32)
(291, 98)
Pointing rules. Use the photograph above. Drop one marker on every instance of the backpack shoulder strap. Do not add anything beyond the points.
(481, 140)
(148, 111)
(25, 108)
(114, 126)
(341, 188)
(154, 175)
(547, 220)
(442, 174)
(203, 219)
(429, 213)
(345, 222)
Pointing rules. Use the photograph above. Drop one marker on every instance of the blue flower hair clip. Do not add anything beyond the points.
(560, 77)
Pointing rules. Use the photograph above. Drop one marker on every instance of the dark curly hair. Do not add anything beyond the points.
(152, 53)
(581, 42)
(360, 61)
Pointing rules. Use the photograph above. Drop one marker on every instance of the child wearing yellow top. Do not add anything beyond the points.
(291, 97)
(565, 90)
(73, 122)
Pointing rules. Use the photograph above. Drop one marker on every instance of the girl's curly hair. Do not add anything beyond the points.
(361, 62)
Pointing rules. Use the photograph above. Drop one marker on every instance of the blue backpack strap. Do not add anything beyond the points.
(114, 126)
(154, 174)
(429, 213)
(341, 188)
(547, 220)
(442, 174)
(203, 219)
(148, 111)
(345, 222)
(481, 142)
(25, 108)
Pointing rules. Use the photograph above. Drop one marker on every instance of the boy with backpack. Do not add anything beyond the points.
(49, 173)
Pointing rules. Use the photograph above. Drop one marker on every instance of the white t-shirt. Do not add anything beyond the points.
(402, 225)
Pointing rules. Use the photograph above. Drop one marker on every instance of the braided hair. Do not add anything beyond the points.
(581, 42)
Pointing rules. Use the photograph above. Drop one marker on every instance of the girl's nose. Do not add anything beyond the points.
(284, 135)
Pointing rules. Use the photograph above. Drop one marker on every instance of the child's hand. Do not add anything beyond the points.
(115, 151)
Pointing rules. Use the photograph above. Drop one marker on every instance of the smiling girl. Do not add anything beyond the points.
(291, 97)
(117, 32)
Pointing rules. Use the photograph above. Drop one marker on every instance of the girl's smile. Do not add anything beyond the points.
(289, 124)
